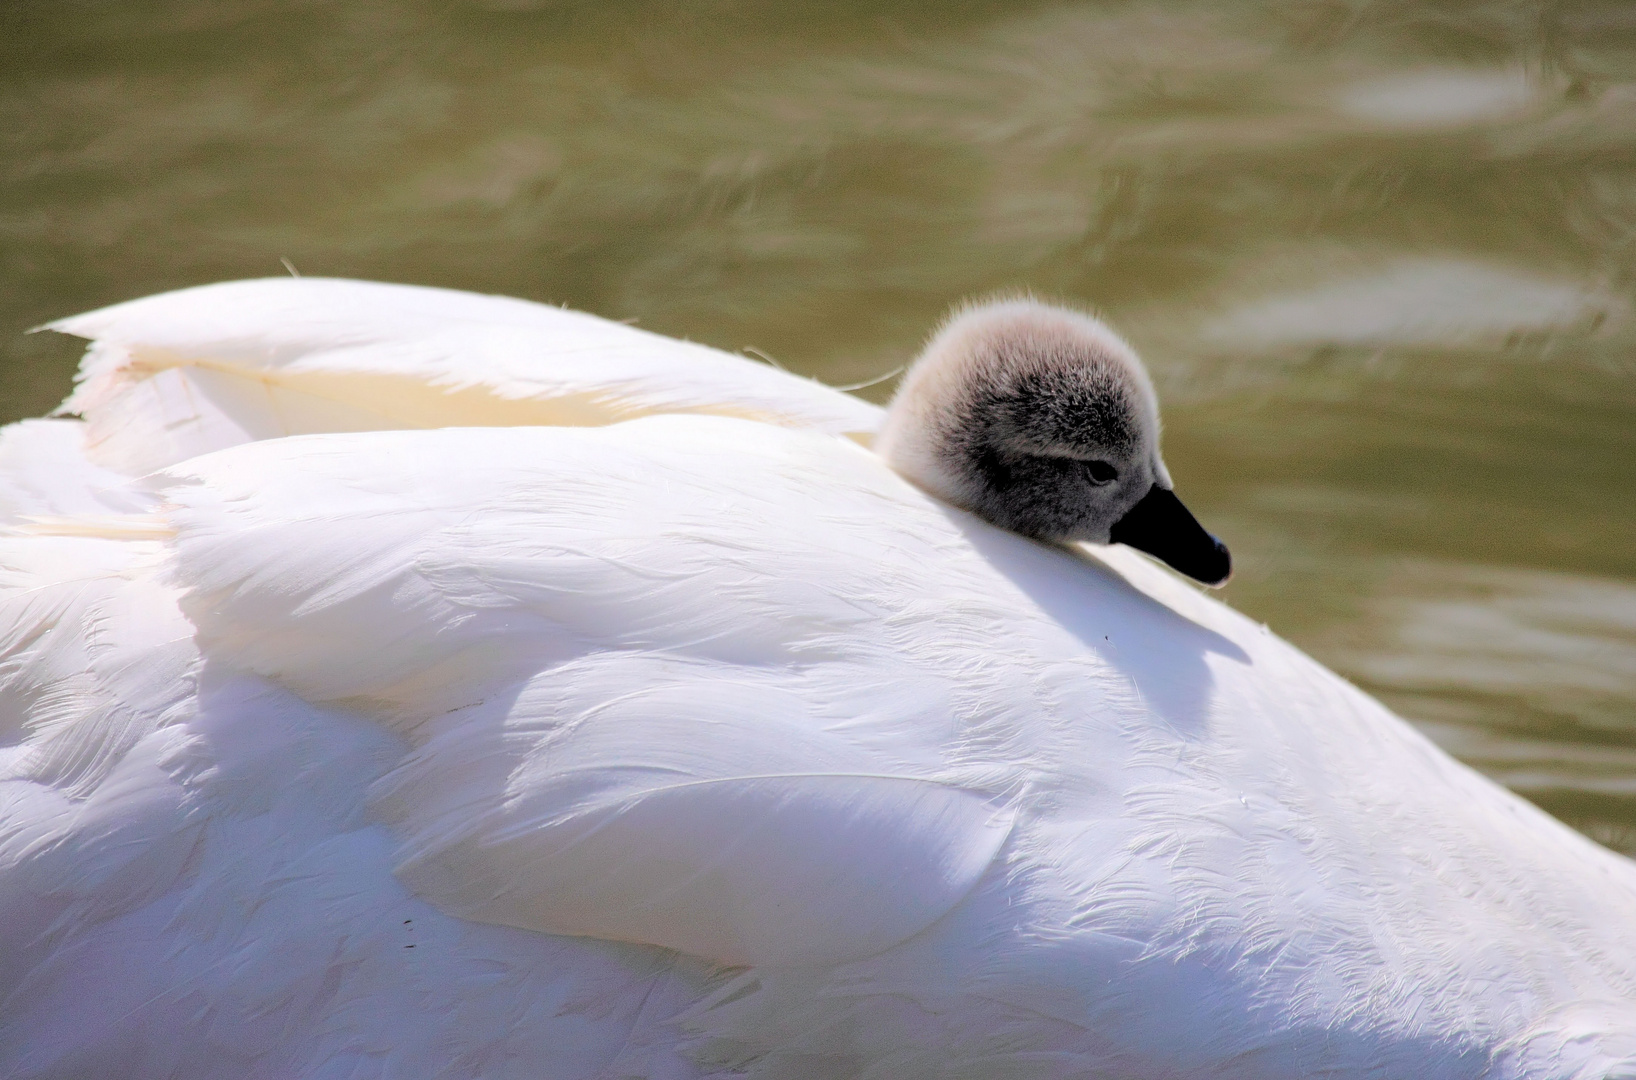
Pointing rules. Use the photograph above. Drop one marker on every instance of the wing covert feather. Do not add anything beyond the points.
(183, 373)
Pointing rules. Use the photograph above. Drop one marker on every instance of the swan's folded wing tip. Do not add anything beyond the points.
(195, 370)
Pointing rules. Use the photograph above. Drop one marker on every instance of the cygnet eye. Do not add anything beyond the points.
(1101, 472)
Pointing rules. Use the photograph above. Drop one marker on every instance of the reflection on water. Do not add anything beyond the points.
(1379, 255)
(1435, 302)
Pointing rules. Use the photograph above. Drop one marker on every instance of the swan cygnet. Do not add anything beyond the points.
(1041, 420)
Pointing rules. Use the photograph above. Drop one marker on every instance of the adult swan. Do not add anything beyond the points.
(404, 683)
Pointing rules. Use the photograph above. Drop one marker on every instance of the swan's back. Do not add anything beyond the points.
(701, 745)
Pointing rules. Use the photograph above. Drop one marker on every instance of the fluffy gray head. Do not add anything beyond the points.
(1043, 421)
(1037, 418)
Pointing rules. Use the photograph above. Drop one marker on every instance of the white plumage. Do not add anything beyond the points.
(635, 721)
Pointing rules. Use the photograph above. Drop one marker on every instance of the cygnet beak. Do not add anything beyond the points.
(1161, 526)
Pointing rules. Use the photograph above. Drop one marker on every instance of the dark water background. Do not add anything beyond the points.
(1381, 256)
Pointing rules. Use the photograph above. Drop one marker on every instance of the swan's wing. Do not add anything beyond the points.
(744, 692)
(190, 886)
(183, 373)
(95, 659)
(633, 714)
(45, 474)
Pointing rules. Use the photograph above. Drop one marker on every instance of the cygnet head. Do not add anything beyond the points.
(1043, 421)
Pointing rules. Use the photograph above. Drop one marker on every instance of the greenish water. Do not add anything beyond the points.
(1379, 255)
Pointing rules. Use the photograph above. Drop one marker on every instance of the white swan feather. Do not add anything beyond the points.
(183, 373)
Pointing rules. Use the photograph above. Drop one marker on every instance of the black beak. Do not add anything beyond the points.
(1161, 526)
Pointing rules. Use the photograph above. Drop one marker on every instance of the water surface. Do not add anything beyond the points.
(1379, 255)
